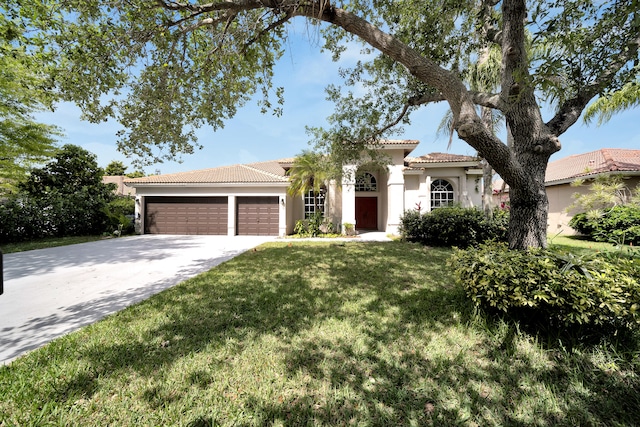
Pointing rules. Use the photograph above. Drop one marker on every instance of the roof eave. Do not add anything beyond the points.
(209, 184)
(433, 165)
(590, 176)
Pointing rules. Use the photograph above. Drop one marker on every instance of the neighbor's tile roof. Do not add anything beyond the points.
(588, 164)
(265, 172)
(593, 163)
(440, 158)
(398, 141)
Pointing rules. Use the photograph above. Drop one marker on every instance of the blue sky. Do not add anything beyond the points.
(304, 72)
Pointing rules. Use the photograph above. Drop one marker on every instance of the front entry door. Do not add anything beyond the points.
(367, 213)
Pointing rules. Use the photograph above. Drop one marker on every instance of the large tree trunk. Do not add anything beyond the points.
(529, 204)
(528, 217)
(487, 169)
(487, 189)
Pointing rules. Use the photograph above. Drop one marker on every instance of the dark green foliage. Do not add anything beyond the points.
(120, 212)
(554, 287)
(454, 226)
(314, 226)
(116, 167)
(64, 198)
(619, 224)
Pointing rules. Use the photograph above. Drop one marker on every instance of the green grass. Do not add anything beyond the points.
(49, 242)
(328, 333)
(581, 245)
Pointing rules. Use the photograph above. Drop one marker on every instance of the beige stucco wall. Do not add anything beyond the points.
(118, 180)
(418, 187)
(561, 198)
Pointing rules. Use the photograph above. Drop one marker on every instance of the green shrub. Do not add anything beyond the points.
(312, 226)
(122, 205)
(558, 287)
(119, 214)
(25, 217)
(453, 226)
(411, 227)
(619, 224)
(349, 229)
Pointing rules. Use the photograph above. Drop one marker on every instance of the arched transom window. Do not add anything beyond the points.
(441, 193)
(366, 182)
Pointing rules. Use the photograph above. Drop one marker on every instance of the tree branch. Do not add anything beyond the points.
(271, 26)
(490, 32)
(448, 84)
(570, 111)
(230, 18)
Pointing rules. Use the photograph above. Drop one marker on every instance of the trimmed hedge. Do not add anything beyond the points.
(454, 226)
(619, 224)
(603, 289)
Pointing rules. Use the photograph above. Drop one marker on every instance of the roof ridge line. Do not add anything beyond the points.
(263, 171)
(608, 158)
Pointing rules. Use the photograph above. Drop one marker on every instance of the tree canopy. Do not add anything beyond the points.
(115, 167)
(167, 67)
(23, 91)
(64, 197)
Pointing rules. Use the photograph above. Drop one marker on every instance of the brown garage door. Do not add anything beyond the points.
(258, 216)
(186, 215)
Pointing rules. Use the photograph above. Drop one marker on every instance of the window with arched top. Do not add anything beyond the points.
(366, 182)
(441, 193)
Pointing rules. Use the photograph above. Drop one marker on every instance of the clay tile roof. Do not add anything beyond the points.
(593, 163)
(440, 158)
(287, 163)
(261, 172)
(398, 141)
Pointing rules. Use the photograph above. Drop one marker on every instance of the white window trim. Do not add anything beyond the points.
(366, 183)
(309, 204)
(444, 192)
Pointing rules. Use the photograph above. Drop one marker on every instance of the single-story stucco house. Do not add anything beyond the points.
(121, 189)
(587, 166)
(252, 199)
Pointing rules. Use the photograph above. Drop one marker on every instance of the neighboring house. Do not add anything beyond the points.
(563, 172)
(121, 188)
(252, 199)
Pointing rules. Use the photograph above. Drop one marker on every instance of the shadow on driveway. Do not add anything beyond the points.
(51, 292)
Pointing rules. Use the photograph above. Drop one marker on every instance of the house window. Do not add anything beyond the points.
(366, 182)
(441, 193)
(310, 204)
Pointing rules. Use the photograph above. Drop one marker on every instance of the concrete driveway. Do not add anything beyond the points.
(51, 292)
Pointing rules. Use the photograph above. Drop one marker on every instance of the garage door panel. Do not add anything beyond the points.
(258, 216)
(186, 215)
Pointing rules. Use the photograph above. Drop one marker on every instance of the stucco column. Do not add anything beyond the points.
(231, 216)
(349, 195)
(282, 225)
(138, 219)
(464, 192)
(395, 198)
(428, 193)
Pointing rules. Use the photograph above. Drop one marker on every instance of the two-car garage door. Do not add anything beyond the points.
(186, 215)
(209, 215)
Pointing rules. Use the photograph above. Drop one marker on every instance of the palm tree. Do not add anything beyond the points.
(310, 172)
(609, 104)
(483, 75)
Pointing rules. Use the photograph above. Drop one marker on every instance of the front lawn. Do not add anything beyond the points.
(320, 334)
(48, 242)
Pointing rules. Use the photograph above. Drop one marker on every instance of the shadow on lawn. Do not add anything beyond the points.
(386, 380)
